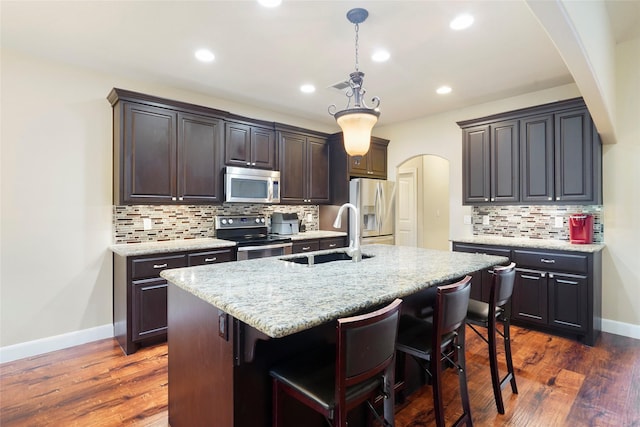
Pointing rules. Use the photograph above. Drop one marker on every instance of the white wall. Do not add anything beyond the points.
(56, 174)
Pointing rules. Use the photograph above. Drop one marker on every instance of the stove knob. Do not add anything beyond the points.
(262, 220)
(230, 221)
(257, 220)
(224, 221)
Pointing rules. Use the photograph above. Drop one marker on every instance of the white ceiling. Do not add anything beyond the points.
(264, 55)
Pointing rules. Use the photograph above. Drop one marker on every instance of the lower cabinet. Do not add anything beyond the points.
(309, 245)
(140, 294)
(481, 280)
(554, 290)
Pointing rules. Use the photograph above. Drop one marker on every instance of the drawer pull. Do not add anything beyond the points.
(306, 248)
(210, 259)
(548, 261)
(333, 245)
(566, 282)
(526, 276)
(160, 265)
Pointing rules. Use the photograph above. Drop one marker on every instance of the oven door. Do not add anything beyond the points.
(262, 251)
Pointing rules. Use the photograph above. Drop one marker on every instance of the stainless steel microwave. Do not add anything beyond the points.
(246, 185)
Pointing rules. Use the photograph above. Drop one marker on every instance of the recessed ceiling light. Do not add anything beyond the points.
(443, 90)
(205, 55)
(461, 22)
(307, 88)
(380, 56)
(270, 3)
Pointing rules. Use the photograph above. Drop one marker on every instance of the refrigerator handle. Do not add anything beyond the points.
(379, 206)
(383, 205)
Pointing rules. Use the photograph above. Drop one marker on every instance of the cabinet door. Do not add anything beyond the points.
(317, 171)
(199, 159)
(536, 153)
(476, 165)
(377, 161)
(529, 299)
(263, 148)
(237, 145)
(358, 166)
(149, 308)
(574, 157)
(505, 162)
(293, 157)
(568, 303)
(149, 154)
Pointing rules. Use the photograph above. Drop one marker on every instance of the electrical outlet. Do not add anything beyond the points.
(146, 223)
(485, 220)
(559, 223)
(467, 219)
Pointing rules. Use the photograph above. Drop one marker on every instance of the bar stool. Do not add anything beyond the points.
(487, 315)
(430, 343)
(361, 369)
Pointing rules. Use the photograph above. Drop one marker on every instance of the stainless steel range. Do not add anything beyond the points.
(251, 236)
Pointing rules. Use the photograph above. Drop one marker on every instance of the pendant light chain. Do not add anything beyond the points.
(357, 65)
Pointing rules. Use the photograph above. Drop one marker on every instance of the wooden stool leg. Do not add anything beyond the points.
(493, 364)
(507, 353)
(462, 377)
(436, 374)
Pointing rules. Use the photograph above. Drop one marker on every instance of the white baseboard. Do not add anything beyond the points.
(620, 328)
(58, 342)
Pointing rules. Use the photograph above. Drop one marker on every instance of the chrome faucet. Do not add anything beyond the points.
(354, 246)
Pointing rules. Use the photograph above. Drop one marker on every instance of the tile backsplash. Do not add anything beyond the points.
(537, 222)
(172, 222)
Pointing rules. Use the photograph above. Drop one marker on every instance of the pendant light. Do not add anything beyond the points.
(356, 121)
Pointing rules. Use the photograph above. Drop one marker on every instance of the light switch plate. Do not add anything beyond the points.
(467, 219)
(559, 222)
(146, 223)
(485, 220)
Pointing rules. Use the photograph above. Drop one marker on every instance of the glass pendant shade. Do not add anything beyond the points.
(356, 127)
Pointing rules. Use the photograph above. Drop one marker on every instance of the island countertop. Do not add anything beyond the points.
(280, 298)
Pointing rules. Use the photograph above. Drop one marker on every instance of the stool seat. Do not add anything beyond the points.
(479, 311)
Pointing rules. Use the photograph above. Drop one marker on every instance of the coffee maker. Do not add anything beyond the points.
(581, 228)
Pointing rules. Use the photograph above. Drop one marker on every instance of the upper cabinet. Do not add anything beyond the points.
(545, 154)
(344, 167)
(250, 145)
(304, 167)
(162, 154)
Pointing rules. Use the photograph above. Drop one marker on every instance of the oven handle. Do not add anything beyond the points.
(257, 248)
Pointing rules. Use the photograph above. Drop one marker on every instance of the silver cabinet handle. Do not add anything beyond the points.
(174, 199)
(332, 245)
(160, 265)
(526, 276)
(210, 259)
(486, 200)
(370, 173)
(248, 163)
(253, 164)
(566, 282)
(548, 261)
(557, 198)
(306, 248)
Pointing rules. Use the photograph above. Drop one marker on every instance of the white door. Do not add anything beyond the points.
(407, 212)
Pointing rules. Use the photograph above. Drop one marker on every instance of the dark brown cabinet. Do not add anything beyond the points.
(140, 294)
(481, 280)
(545, 154)
(344, 167)
(490, 159)
(309, 245)
(304, 168)
(250, 146)
(554, 290)
(163, 155)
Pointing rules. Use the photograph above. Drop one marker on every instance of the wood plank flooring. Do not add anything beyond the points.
(560, 382)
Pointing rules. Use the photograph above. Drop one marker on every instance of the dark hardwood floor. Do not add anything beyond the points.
(561, 383)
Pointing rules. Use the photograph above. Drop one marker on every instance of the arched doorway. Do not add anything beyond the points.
(422, 208)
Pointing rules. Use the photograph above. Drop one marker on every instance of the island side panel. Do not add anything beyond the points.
(200, 364)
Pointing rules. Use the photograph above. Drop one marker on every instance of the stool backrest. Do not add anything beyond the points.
(503, 280)
(452, 302)
(366, 344)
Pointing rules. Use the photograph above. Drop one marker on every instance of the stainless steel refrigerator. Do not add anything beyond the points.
(375, 200)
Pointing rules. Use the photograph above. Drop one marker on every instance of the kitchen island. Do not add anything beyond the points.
(228, 323)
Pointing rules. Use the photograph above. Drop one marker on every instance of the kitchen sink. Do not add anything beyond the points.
(323, 258)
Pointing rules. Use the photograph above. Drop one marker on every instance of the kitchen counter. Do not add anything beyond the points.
(317, 234)
(524, 242)
(134, 249)
(280, 298)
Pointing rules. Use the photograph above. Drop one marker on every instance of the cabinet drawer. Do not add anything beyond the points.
(305, 246)
(549, 261)
(151, 267)
(479, 249)
(332, 243)
(210, 257)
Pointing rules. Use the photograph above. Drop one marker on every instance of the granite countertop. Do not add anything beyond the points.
(524, 242)
(317, 234)
(280, 298)
(146, 248)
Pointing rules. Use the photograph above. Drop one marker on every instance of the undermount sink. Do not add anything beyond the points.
(322, 258)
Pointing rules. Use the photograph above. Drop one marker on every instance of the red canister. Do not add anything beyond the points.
(581, 228)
